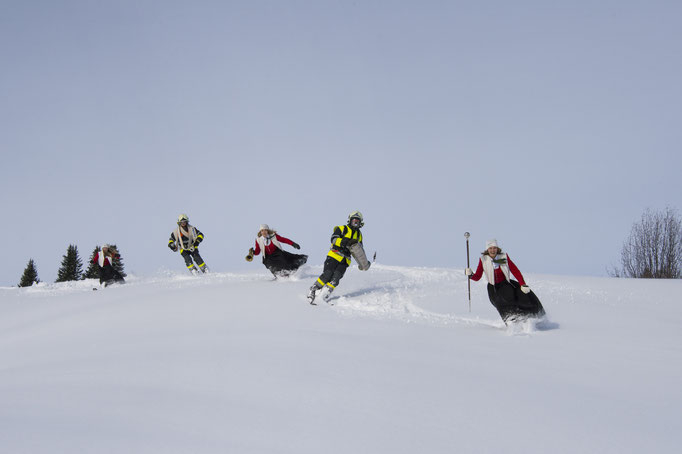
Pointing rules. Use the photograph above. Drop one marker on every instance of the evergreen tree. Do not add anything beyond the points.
(30, 275)
(72, 267)
(92, 272)
(118, 262)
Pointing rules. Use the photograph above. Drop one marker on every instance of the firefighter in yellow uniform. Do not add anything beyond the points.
(186, 239)
(338, 258)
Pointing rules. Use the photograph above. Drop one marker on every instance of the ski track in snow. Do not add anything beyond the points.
(394, 297)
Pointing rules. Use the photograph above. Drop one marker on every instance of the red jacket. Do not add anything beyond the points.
(499, 275)
(95, 260)
(270, 248)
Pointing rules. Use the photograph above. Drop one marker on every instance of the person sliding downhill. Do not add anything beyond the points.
(104, 259)
(338, 257)
(186, 238)
(280, 262)
(515, 301)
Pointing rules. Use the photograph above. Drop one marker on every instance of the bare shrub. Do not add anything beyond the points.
(654, 247)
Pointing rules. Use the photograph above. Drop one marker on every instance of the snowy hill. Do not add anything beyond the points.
(239, 363)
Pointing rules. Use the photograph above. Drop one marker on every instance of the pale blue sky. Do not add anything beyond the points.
(548, 125)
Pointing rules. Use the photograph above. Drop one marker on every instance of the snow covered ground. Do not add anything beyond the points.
(239, 363)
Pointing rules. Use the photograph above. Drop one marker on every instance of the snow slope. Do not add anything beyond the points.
(239, 363)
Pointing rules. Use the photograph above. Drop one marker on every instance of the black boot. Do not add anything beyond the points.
(311, 295)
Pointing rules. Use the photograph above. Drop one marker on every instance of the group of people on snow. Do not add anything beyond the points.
(283, 263)
(513, 299)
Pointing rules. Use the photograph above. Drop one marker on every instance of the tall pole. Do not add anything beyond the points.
(466, 235)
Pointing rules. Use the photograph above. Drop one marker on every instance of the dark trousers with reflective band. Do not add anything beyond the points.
(188, 256)
(332, 273)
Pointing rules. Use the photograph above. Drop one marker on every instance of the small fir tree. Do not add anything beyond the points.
(72, 267)
(118, 262)
(30, 275)
(92, 272)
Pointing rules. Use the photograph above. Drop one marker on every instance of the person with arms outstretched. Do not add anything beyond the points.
(281, 263)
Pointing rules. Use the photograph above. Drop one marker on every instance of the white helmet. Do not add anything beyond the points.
(356, 215)
(183, 218)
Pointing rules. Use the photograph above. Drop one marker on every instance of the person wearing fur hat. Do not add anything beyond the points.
(186, 238)
(513, 300)
(277, 260)
(104, 259)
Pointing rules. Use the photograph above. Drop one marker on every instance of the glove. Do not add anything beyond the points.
(295, 245)
(347, 242)
(196, 243)
(173, 247)
(468, 272)
(525, 289)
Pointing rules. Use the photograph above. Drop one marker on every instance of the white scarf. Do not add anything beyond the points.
(489, 267)
(101, 258)
(263, 241)
(190, 234)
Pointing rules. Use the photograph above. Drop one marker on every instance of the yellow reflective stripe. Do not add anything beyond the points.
(190, 266)
(202, 265)
(346, 233)
(319, 281)
(349, 233)
(331, 286)
(335, 255)
(200, 236)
